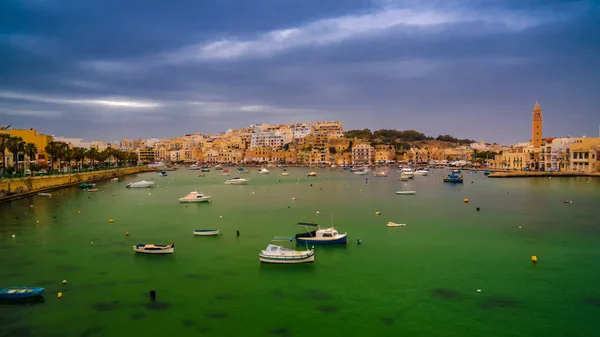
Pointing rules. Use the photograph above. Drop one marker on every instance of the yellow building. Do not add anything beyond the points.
(384, 153)
(584, 155)
(536, 126)
(146, 155)
(29, 136)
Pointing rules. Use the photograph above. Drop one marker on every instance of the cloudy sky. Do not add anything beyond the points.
(113, 69)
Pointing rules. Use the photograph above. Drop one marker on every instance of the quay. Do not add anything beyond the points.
(529, 174)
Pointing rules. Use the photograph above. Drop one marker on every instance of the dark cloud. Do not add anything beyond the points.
(108, 70)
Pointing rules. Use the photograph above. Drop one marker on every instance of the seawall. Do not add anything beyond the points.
(22, 187)
(529, 174)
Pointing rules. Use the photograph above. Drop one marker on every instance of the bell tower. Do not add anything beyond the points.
(536, 126)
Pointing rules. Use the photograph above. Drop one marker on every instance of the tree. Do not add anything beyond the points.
(4, 137)
(79, 155)
(361, 134)
(30, 151)
(92, 154)
(16, 145)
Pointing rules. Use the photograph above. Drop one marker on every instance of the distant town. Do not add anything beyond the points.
(309, 143)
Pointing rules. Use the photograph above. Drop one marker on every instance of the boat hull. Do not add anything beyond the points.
(182, 200)
(206, 233)
(406, 192)
(343, 239)
(18, 293)
(157, 251)
(276, 259)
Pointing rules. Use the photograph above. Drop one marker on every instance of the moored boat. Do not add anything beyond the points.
(407, 172)
(393, 224)
(45, 195)
(312, 174)
(195, 197)
(406, 192)
(242, 170)
(148, 248)
(140, 184)
(17, 293)
(263, 171)
(453, 178)
(92, 190)
(206, 232)
(421, 171)
(86, 185)
(237, 181)
(380, 174)
(281, 255)
(225, 173)
(320, 235)
(162, 173)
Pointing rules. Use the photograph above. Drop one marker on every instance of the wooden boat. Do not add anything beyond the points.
(206, 232)
(453, 178)
(45, 195)
(281, 255)
(393, 224)
(320, 235)
(12, 293)
(148, 248)
(225, 173)
(380, 174)
(406, 192)
(285, 174)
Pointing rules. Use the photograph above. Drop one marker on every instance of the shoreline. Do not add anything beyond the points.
(34, 185)
(525, 174)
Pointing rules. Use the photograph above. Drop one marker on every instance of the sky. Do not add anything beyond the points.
(113, 69)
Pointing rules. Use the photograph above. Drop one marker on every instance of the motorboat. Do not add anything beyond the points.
(218, 168)
(421, 171)
(114, 180)
(206, 232)
(320, 235)
(281, 255)
(17, 293)
(205, 169)
(237, 181)
(487, 172)
(407, 172)
(403, 178)
(285, 174)
(263, 171)
(406, 192)
(148, 248)
(380, 174)
(45, 195)
(453, 178)
(393, 224)
(242, 170)
(195, 197)
(312, 174)
(362, 172)
(86, 185)
(162, 173)
(194, 167)
(225, 173)
(140, 184)
(92, 190)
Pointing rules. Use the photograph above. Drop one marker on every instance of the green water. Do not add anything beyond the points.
(420, 280)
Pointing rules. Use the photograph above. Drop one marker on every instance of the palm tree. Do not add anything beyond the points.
(68, 157)
(30, 151)
(79, 155)
(4, 137)
(92, 154)
(16, 145)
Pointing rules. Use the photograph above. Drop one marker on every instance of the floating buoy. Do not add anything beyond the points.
(64, 282)
(312, 220)
(520, 227)
(478, 290)
(14, 236)
(126, 233)
(477, 209)
(534, 259)
(288, 206)
(310, 185)
(377, 213)
(59, 295)
(358, 241)
(220, 217)
(37, 221)
(78, 211)
(360, 190)
(111, 220)
(466, 200)
(294, 199)
(318, 212)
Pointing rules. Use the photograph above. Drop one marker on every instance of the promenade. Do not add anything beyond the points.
(530, 174)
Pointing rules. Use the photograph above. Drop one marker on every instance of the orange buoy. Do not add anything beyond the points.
(111, 220)
(466, 200)
(126, 233)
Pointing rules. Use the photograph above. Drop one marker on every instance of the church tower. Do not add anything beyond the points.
(536, 126)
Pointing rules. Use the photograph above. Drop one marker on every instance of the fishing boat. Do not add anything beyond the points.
(45, 195)
(406, 192)
(281, 255)
(263, 171)
(86, 185)
(393, 224)
(237, 181)
(195, 197)
(205, 169)
(320, 235)
(206, 232)
(162, 173)
(16, 293)
(453, 178)
(225, 173)
(312, 174)
(421, 171)
(148, 248)
(140, 184)
(380, 174)
(242, 170)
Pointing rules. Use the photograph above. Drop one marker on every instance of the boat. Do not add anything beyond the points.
(487, 172)
(205, 169)
(140, 184)
(421, 172)
(281, 255)
(453, 178)
(225, 173)
(194, 167)
(86, 185)
(16, 293)
(237, 181)
(406, 192)
(407, 172)
(312, 174)
(380, 174)
(195, 197)
(403, 178)
(218, 168)
(162, 173)
(45, 195)
(242, 170)
(393, 224)
(285, 174)
(361, 172)
(202, 174)
(320, 235)
(114, 180)
(92, 190)
(148, 248)
(263, 171)
(206, 232)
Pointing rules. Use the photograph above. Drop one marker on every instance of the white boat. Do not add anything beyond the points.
(148, 248)
(282, 255)
(92, 190)
(285, 174)
(45, 195)
(421, 172)
(195, 197)
(114, 179)
(194, 167)
(407, 172)
(312, 174)
(319, 235)
(206, 232)
(162, 173)
(237, 181)
(361, 172)
(225, 173)
(263, 171)
(140, 184)
(406, 192)
(380, 174)
(393, 224)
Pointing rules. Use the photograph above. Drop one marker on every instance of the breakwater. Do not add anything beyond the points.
(529, 174)
(20, 187)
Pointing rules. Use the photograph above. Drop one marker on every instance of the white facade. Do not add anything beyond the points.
(266, 139)
(74, 142)
(554, 153)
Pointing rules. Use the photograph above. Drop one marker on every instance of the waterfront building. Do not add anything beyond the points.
(146, 155)
(266, 139)
(74, 142)
(536, 126)
(363, 154)
(29, 136)
(584, 154)
(385, 153)
(555, 154)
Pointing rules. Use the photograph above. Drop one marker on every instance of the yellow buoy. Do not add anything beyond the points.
(377, 213)
(37, 221)
(466, 200)
(78, 211)
(126, 233)
(111, 220)
(360, 190)
(534, 259)
(59, 295)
